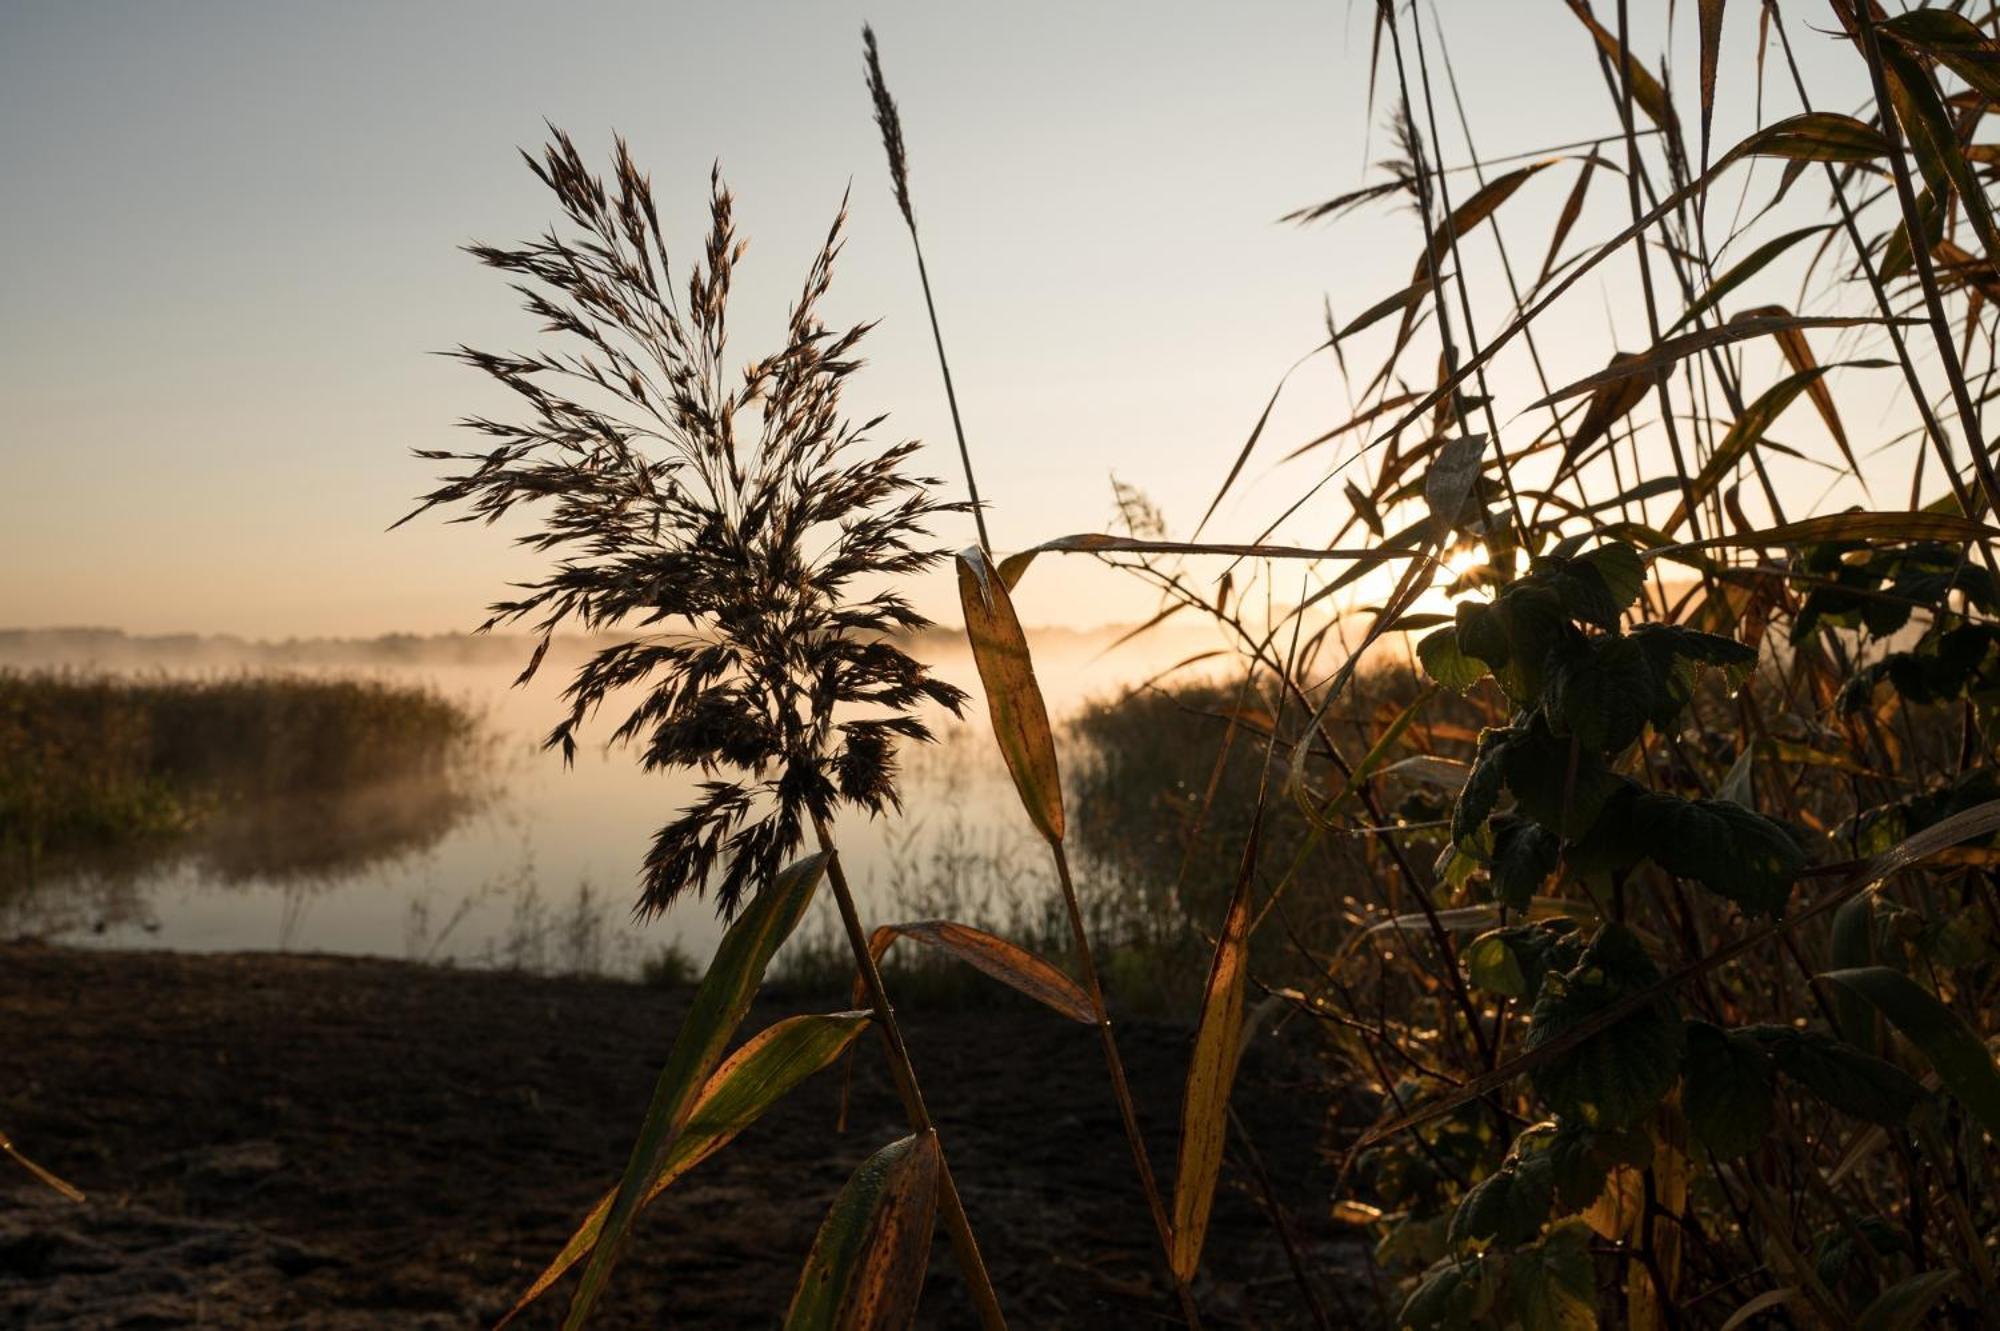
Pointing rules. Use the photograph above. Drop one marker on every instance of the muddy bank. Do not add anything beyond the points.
(325, 1142)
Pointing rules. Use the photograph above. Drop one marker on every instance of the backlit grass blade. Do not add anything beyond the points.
(41, 1175)
(1671, 351)
(1015, 565)
(1015, 967)
(1217, 1044)
(1020, 717)
(1745, 432)
(866, 1268)
(1917, 526)
(1748, 267)
(749, 1081)
(1953, 1048)
(718, 1008)
(1953, 40)
(1709, 14)
(1646, 90)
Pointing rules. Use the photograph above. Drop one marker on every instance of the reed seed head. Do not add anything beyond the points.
(740, 522)
(891, 125)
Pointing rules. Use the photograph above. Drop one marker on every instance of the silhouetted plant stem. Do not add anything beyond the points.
(1920, 254)
(951, 1208)
(1120, 1089)
(891, 124)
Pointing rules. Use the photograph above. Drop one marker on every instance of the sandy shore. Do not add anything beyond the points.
(320, 1142)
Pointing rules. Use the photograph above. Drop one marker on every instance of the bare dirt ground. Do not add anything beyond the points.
(317, 1142)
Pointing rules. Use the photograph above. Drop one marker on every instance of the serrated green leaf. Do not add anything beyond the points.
(1583, 1159)
(1513, 961)
(1454, 1295)
(1552, 1286)
(1727, 848)
(1615, 1078)
(1508, 1207)
(1727, 1089)
(1445, 663)
(1524, 855)
(1603, 691)
(1854, 1082)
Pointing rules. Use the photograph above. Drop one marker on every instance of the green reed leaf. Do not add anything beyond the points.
(719, 1005)
(866, 1268)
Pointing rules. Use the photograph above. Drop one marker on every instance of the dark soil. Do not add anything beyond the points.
(318, 1142)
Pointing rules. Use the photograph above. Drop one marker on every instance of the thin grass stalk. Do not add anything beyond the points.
(951, 1208)
(1121, 1091)
(1968, 414)
(891, 123)
(1457, 260)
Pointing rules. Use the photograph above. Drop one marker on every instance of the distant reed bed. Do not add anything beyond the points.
(103, 763)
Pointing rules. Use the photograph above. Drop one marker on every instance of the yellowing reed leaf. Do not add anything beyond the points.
(749, 1081)
(866, 1269)
(1015, 967)
(718, 1008)
(1020, 717)
(1205, 1104)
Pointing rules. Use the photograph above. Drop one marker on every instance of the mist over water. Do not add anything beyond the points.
(515, 861)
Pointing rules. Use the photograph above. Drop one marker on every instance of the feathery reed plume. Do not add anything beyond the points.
(899, 175)
(733, 519)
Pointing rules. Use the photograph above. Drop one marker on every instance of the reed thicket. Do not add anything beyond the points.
(1616, 810)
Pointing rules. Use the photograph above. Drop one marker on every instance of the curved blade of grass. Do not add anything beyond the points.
(1814, 136)
(1934, 141)
(1917, 526)
(751, 1080)
(1903, 1304)
(1982, 820)
(1953, 1048)
(1015, 967)
(1709, 13)
(1744, 433)
(1750, 265)
(1646, 90)
(41, 1175)
(1952, 40)
(1217, 1043)
(1014, 566)
(1799, 354)
(866, 1267)
(718, 1008)
(1648, 366)
(1007, 672)
(1572, 209)
(1483, 203)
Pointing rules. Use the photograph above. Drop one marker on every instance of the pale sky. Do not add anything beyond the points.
(232, 228)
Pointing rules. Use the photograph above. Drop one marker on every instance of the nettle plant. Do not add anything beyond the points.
(1568, 814)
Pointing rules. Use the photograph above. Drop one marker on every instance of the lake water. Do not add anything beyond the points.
(540, 870)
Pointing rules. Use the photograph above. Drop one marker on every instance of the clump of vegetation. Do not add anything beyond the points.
(100, 765)
(1650, 910)
(747, 527)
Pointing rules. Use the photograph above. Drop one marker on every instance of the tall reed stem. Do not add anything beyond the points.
(1121, 1090)
(963, 1245)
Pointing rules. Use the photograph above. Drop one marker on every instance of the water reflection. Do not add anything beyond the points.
(508, 858)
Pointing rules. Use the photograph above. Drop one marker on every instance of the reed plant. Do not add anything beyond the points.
(1661, 928)
(1620, 815)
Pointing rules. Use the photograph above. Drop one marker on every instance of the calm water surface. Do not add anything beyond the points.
(539, 870)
